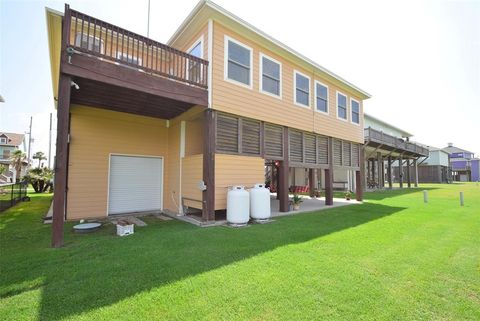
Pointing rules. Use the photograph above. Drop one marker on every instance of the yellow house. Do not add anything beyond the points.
(144, 126)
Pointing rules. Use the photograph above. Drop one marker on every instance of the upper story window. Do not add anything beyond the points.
(6, 153)
(3, 140)
(197, 49)
(194, 68)
(321, 97)
(89, 42)
(238, 62)
(270, 76)
(129, 58)
(355, 105)
(302, 89)
(341, 106)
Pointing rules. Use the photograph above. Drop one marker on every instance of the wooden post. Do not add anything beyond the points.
(400, 171)
(61, 160)
(283, 175)
(368, 170)
(415, 173)
(208, 195)
(389, 172)
(311, 182)
(409, 183)
(380, 170)
(373, 169)
(358, 186)
(329, 175)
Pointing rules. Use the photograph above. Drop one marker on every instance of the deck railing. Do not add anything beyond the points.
(392, 141)
(94, 37)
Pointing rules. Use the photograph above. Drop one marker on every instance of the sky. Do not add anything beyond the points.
(420, 60)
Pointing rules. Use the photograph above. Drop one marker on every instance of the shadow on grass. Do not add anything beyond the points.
(388, 193)
(98, 270)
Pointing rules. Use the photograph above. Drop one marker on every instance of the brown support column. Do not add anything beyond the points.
(373, 169)
(61, 160)
(409, 183)
(400, 171)
(368, 170)
(311, 181)
(379, 170)
(415, 173)
(329, 175)
(389, 171)
(277, 180)
(283, 175)
(208, 195)
(358, 186)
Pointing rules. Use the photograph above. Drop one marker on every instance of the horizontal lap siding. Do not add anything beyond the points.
(192, 173)
(235, 170)
(235, 99)
(95, 133)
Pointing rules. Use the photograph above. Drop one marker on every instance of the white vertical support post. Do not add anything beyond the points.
(425, 196)
(461, 198)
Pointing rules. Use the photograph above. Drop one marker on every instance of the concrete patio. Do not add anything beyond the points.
(308, 205)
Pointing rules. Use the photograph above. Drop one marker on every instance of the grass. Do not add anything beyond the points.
(392, 258)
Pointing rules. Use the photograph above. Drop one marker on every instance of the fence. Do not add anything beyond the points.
(11, 194)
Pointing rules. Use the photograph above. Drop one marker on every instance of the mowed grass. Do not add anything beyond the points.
(392, 258)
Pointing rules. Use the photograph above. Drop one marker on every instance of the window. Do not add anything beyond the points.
(302, 89)
(194, 67)
(6, 154)
(238, 62)
(341, 106)
(129, 59)
(270, 76)
(89, 42)
(3, 140)
(321, 97)
(355, 105)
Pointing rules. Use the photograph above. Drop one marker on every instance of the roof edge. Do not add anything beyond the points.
(388, 124)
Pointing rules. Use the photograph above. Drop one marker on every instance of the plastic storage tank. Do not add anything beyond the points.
(238, 205)
(260, 202)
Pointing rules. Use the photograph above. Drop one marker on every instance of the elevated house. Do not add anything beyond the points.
(146, 126)
(465, 166)
(435, 168)
(9, 143)
(390, 156)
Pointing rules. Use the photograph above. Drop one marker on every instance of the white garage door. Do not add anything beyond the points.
(136, 184)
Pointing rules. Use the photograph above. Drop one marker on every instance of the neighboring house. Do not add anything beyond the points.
(465, 167)
(434, 168)
(10, 142)
(390, 156)
(147, 126)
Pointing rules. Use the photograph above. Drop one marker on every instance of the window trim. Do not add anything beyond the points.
(328, 98)
(346, 107)
(295, 72)
(225, 62)
(351, 111)
(199, 41)
(260, 75)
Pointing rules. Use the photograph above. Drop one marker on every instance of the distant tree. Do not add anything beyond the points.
(40, 156)
(40, 178)
(18, 157)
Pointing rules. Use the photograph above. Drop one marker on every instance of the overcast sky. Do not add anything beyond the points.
(420, 60)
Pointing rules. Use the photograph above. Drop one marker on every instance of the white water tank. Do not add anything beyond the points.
(260, 202)
(238, 205)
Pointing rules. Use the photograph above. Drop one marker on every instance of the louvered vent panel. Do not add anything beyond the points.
(296, 146)
(322, 149)
(227, 134)
(355, 154)
(347, 154)
(273, 141)
(337, 152)
(310, 149)
(250, 137)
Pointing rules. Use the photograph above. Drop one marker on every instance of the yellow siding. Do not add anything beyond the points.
(194, 137)
(192, 172)
(235, 170)
(236, 99)
(95, 134)
(172, 189)
(202, 32)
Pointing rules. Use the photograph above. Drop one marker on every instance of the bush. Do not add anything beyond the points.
(40, 178)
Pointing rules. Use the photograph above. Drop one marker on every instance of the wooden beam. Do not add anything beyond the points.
(208, 195)
(389, 172)
(409, 183)
(380, 170)
(329, 174)
(311, 182)
(358, 186)
(400, 171)
(61, 160)
(283, 175)
(415, 172)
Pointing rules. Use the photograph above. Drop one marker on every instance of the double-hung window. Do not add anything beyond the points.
(341, 106)
(238, 62)
(302, 89)
(270, 76)
(355, 106)
(321, 97)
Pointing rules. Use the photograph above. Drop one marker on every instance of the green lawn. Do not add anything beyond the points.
(392, 258)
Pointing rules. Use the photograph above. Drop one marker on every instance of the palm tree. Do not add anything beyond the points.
(40, 156)
(18, 157)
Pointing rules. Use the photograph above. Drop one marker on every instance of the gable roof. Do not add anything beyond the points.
(217, 10)
(404, 133)
(453, 149)
(13, 139)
